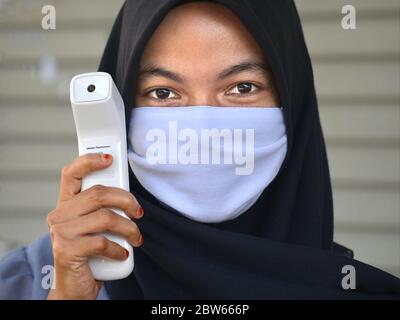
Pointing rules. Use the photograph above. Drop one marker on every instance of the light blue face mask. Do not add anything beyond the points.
(210, 164)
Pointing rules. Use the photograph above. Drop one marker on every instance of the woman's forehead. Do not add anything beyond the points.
(200, 32)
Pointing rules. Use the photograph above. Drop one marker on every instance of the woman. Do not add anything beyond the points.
(265, 232)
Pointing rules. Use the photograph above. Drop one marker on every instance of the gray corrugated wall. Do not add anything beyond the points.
(357, 80)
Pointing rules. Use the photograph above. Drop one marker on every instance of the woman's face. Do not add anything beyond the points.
(201, 54)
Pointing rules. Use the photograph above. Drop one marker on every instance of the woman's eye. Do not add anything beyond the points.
(242, 89)
(162, 94)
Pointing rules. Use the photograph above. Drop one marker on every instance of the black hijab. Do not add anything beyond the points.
(282, 247)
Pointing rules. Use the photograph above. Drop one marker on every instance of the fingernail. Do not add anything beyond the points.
(126, 253)
(141, 240)
(106, 157)
(140, 212)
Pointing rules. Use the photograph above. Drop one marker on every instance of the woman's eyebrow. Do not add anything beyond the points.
(154, 70)
(243, 66)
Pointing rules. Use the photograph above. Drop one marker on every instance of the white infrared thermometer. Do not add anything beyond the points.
(99, 117)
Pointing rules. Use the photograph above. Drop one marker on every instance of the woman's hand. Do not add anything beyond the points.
(76, 221)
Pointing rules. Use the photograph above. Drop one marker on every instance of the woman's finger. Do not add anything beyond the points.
(66, 251)
(93, 199)
(102, 220)
(73, 173)
(99, 245)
